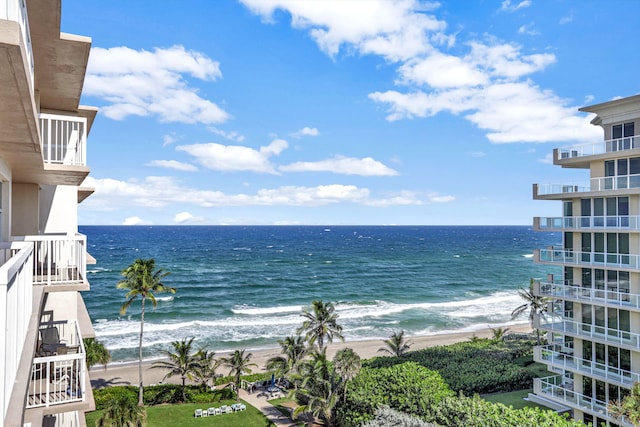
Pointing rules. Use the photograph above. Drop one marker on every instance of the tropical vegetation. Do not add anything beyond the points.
(396, 345)
(141, 279)
(238, 363)
(183, 361)
(533, 305)
(629, 407)
(320, 324)
(96, 353)
(122, 412)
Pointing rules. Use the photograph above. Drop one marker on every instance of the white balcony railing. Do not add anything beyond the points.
(591, 295)
(58, 259)
(58, 370)
(551, 355)
(16, 10)
(64, 139)
(568, 326)
(552, 388)
(556, 255)
(606, 183)
(624, 222)
(601, 147)
(16, 294)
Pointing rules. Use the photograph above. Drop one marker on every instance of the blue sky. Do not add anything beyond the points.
(342, 112)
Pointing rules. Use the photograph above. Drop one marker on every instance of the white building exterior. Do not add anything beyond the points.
(593, 319)
(43, 131)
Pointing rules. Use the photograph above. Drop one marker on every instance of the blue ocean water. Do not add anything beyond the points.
(245, 286)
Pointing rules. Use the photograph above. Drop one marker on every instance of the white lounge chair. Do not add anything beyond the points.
(211, 411)
(198, 413)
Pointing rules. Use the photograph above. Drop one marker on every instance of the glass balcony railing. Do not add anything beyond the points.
(590, 295)
(568, 326)
(606, 183)
(552, 356)
(58, 370)
(625, 222)
(58, 259)
(16, 10)
(600, 147)
(553, 388)
(64, 139)
(567, 256)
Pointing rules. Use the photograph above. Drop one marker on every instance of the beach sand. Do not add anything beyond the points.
(127, 373)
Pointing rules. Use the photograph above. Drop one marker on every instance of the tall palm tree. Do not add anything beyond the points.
(123, 412)
(396, 345)
(96, 353)
(182, 361)
(238, 364)
(347, 364)
(141, 279)
(320, 322)
(207, 367)
(533, 303)
(293, 352)
(628, 407)
(321, 387)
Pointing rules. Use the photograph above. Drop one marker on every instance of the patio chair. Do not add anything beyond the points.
(198, 413)
(211, 411)
(50, 341)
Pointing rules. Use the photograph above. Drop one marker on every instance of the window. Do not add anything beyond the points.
(622, 173)
(622, 137)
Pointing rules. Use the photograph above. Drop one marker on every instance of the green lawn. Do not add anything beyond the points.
(284, 405)
(514, 398)
(182, 415)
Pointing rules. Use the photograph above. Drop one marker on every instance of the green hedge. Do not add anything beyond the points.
(161, 394)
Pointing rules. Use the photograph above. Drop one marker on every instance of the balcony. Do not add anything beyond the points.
(59, 260)
(596, 148)
(552, 388)
(58, 370)
(64, 139)
(16, 11)
(552, 356)
(568, 326)
(556, 255)
(593, 185)
(589, 295)
(569, 223)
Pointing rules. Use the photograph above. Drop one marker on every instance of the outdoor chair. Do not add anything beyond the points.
(211, 411)
(50, 342)
(198, 413)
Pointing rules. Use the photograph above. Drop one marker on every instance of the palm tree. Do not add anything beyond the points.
(321, 388)
(207, 367)
(143, 280)
(238, 364)
(320, 322)
(534, 304)
(293, 350)
(396, 345)
(182, 362)
(628, 407)
(499, 333)
(123, 412)
(347, 363)
(96, 353)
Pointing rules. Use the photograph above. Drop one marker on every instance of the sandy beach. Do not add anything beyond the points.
(127, 373)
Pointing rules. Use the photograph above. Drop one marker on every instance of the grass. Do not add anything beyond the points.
(285, 406)
(182, 415)
(513, 398)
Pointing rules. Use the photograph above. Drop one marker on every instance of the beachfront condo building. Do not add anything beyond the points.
(592, 321)
(43, 132)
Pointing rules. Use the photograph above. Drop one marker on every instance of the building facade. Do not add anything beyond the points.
(593, 315)
(43, 132)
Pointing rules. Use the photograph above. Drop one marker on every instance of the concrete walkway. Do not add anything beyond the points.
(259, 401)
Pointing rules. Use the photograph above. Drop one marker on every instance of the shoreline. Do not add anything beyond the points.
(126, 373)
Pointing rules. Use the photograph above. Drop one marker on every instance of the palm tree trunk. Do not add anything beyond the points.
(140, 389)
(184, 395)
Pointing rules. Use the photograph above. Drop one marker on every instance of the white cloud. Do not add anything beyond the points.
(547, 159)
(506, 5)
(173, 164)
(343, 165)
(306, 131)
(152, 83)
(169, 139)
(528, 29)
(234, 158)
(566, 19)
(160, 192)
(230, 135)
(133, 220)
(187, 218)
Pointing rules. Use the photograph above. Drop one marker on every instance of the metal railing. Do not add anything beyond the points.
(16, 10)
(600, 147)
(553, 322)
(16, 303)
(553, 356)
(605, 183)
(625, 222)
(598, 296)
(58, 370)
(568, 256)
(58, 259)
(552, 388)
(64, 139)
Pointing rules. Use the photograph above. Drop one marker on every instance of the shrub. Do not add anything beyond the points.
(387, 417)
(105, 395)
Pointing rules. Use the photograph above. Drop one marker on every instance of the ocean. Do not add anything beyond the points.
(245, 286)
